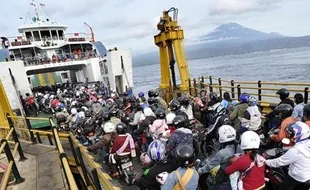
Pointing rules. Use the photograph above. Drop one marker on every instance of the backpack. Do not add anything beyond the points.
(255, 121)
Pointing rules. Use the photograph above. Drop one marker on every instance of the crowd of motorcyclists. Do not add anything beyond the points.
(232, 138)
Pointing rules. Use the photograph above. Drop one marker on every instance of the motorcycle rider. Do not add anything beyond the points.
(113, 116)
(159, 126)
(152, 104)
(252, 116)
(297, 157)
(298, 109)
(182, 135)
(160, 101)
(187, 107)
(175, 107)
(158, 154)
(185, 177)
(227, 137)
(306, 114)
(284, 97)
(238, 113)
(73, 119)
(284, 111)
(250, 165)
(141, 98)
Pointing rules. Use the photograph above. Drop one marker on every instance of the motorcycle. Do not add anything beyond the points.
(125, 168)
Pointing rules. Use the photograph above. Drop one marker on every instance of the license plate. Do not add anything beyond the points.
(126, 165)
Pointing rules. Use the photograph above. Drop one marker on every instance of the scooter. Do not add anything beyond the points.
(125, 168)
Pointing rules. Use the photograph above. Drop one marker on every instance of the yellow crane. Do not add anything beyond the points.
(91, 32)
(171, 50)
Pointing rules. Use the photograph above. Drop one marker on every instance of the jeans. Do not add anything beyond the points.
(289, 184)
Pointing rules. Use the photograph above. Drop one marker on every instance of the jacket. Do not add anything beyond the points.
(298, 111)
(287, 101)
(282, 134)
(158, 127)
(136, 118)
(254, 179)
(172, 180)
(162, 102)
(145, 123)
(179, 137)
(298, 159)
(115, 120)
(105, 141)
(220, 158)
(238, 113)
(118, 143)
(149, 181)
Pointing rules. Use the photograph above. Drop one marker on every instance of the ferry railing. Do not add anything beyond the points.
(11, 155)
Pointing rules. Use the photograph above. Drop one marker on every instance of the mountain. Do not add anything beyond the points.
(232, 31)
(231, 38)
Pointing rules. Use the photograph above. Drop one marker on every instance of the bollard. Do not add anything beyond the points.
(32, 138)
(259, 85)
(232, 83)
(50, 139)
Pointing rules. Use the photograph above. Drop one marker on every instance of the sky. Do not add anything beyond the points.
(131, 24)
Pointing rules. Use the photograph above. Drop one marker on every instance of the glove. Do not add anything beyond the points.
(162, 177)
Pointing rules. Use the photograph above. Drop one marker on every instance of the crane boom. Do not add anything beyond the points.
(91, 32)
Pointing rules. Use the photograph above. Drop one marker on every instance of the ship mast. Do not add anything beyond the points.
(33, 3)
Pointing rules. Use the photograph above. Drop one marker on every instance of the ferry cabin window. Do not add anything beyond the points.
(45, 34)
(36, 35)
(64, 75)
(28, 36)
(61, 34)
(54, 34)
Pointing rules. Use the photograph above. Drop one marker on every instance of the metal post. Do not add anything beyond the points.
(306, 95)
(7, 150)
(81, 161)
(96, 179)
(63, 155)
(232, 84)
(202, 85)
(15, 137)
(239, 91)
(189, 86)
(220, 87)
(259, 85)
(50, 139)
(195, 87)
(38, 137)
(32, 138)
(210, 85)
(73, 151)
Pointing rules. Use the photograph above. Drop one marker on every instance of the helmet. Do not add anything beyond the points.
(160, 113)
(121, 128)
(179, 121)
(51, 97)
(148, 112)
(156, 94)
(151, 93)
(73, 111)
(157, 151)
(87, 113)
(298, 131)
(109, 127)
(141, 94)
(132, 99)
(298, 98)
(125, 94)
(151, 101)
(244, 97)
(213, 96)
(169, 118)
(145, 159)
(81, 115)
(283, 93)
(185, 155)
(252, 101)
(106, 116)
(113, 112)
(307, 112)
(174, 105)
(226, 133)
(284, 111)
(185, 101)
(250, 140)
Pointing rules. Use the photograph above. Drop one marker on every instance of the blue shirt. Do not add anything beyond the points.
(298, 111)
(172, 180)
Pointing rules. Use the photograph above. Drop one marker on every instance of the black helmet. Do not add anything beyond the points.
(156, 94)
(284, 111)
(298, 98)
(125, 93)
(213, 96)
(185, 101)
(113, 112)
(151, 101)
(185, 155)
(283, 93)
(132, 100)
(160, 113)
(174, 105)
(106, 116)
(179, 121)
(87, 113)
(151, 93)
(180, 99)
(121, 128)
(306, 115)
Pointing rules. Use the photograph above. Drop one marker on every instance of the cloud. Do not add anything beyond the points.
(241, 6)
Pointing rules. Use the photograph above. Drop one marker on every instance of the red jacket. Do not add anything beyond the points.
(118, 143)
(256, 177)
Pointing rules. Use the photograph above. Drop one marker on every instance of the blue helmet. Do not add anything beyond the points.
(252, 101)
(244, 97)
(157, 151)
(141, 94)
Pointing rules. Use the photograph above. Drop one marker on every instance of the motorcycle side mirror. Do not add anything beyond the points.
(271, 152)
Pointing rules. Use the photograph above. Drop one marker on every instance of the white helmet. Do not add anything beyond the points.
(109, 127)
(148, 112)
(226, 133)
(52, 97)
(73, 103)
(250, 140)
(298, 131)
(81, 115)
(73, 111)
(169, 118)
(82, 88)
(145, 159)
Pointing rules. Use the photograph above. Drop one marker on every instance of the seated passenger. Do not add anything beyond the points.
(299, 108)
(238, 113)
